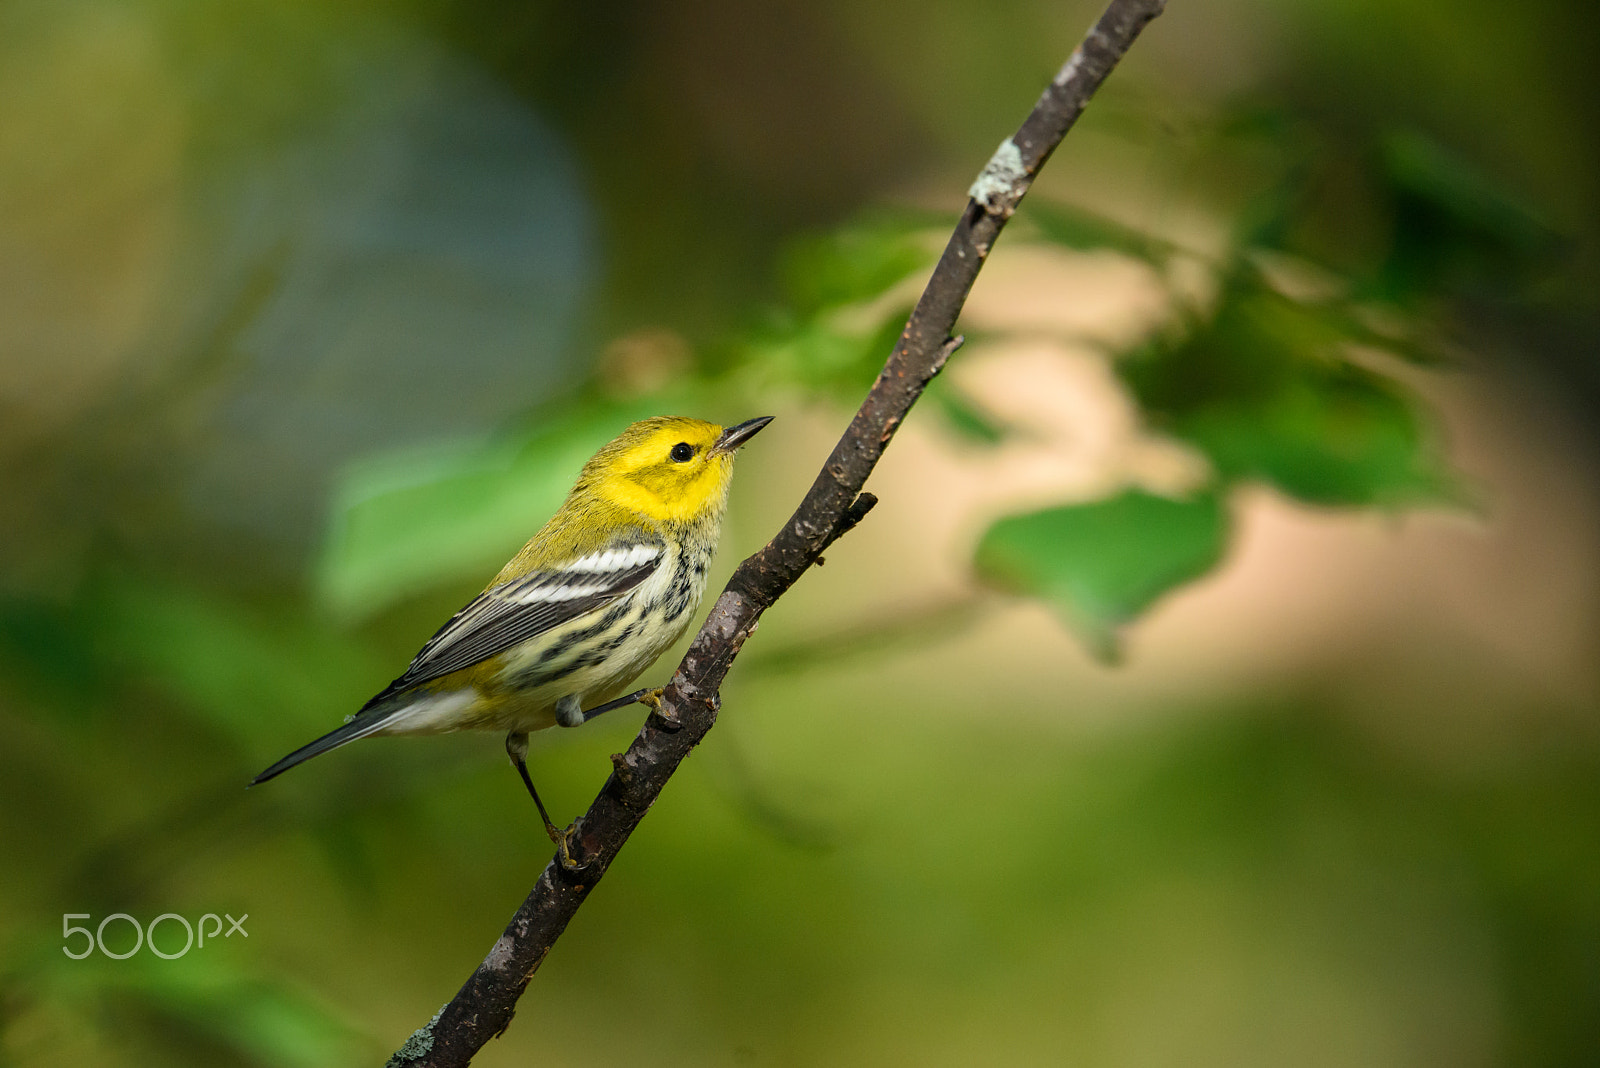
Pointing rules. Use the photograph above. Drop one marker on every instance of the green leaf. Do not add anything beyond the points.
(1454, 227)
(857, 262)
(47, 648)
(1379, 327)
(826, 353)
(964, 417)
(1343, 437)
(259, 1019)
(1264, 390)
(1104, 563)
(206, 999)
(406, 521)
(244, 670)
(1085, 230)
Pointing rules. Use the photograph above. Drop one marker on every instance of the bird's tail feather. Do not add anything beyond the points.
(359, 727)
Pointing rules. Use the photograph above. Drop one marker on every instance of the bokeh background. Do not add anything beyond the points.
(1215, 685)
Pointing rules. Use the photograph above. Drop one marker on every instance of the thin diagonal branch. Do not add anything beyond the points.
(484, 1006)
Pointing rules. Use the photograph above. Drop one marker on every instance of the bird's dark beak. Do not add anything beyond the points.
(735, 436)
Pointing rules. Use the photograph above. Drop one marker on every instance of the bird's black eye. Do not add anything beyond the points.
(682, 452)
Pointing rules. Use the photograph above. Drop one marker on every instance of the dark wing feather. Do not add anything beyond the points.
(511, 613)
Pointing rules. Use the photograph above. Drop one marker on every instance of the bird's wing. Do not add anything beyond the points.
(511, 613)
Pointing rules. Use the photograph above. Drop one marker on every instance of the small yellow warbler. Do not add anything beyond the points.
(603, 589)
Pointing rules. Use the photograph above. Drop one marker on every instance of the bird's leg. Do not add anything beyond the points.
(621, 702)
(517, 750)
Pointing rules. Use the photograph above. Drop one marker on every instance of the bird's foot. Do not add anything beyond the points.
(564, 841)
(651, 699)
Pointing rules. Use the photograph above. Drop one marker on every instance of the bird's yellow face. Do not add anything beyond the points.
(671, 468)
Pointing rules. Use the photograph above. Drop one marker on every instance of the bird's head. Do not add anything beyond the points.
(670, 468)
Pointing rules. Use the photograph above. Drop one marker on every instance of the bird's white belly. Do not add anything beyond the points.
(433, 713)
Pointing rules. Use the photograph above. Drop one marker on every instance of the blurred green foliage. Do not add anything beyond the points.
(1268, 387)
(857, 262)
(1455, 229)
(1263, 389)
(403, 520)
(197, 1008)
